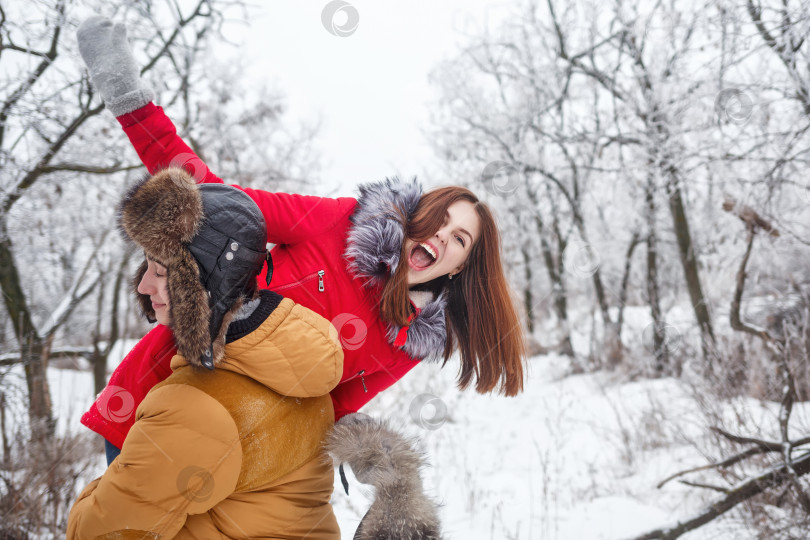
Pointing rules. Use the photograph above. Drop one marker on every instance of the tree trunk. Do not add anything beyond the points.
(39, 397)
(99, 363)
(98, 359)
(616, 355)
(100, 356)
(596, 277)
(689, 263)
(4, 434)
(528, 297)
(657, 122)
(612, 340)
(558, 292)
(660, 350)
(32, 351)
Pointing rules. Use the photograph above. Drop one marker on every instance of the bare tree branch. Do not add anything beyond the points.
(181, 23)
(741, 492)
(770, 446)
(704, 486)
(783, 52)
(728, 462)
(785, 410)
(25, 50)
(39, 169)
(89, 169)
(36, 74)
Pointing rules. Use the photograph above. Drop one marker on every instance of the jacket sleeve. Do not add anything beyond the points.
(293, 218)
(181, 458)
(350, 396)
(290, 218)
(157, 143)
(148, 363)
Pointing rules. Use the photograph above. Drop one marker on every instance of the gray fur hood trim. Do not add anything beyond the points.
(373, 249)
(427, 333)
(384, 458)
(375, 239)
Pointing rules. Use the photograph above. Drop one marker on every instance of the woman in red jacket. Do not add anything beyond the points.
(403, 276)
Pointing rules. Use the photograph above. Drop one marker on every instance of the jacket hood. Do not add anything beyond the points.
(294, 352)
(373, 249)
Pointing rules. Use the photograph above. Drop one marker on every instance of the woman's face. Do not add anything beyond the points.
(154, 284)
(447, 250)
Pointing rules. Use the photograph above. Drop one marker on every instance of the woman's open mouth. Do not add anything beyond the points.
(422, 256)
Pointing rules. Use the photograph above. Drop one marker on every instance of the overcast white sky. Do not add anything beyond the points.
(370, 88)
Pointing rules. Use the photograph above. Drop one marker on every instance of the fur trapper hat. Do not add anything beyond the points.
(386, 459)
(212, 240)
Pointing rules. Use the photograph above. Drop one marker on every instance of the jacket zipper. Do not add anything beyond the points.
(319, 274)
(362, 379)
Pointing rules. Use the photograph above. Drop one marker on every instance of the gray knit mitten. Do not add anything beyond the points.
(112, 67)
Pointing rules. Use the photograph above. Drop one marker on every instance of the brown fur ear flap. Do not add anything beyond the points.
(162, 212)
(144, 301)
(188, 307)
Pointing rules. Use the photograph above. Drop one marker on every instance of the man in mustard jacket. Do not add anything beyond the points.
(230, 445)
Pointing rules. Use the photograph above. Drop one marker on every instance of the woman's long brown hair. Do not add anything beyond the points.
(481, 319)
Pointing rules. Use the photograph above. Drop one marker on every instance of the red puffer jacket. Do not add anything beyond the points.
(311, 267)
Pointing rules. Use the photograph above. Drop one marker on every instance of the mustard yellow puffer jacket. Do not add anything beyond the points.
(229, 453)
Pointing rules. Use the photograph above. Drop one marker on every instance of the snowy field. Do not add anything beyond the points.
(573, 457)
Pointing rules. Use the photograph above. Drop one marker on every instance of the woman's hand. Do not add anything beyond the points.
(113, 70)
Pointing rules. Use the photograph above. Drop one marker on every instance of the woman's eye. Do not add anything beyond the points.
(461, 240)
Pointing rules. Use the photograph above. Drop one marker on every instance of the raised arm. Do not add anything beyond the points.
(103, 45)
(115, 75)
(155, 139)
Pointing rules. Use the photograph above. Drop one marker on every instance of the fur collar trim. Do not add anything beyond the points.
(373, 247)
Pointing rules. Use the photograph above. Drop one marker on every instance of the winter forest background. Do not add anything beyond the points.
(648, 164)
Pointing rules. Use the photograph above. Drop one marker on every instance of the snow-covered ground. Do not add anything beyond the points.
(573, 457)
